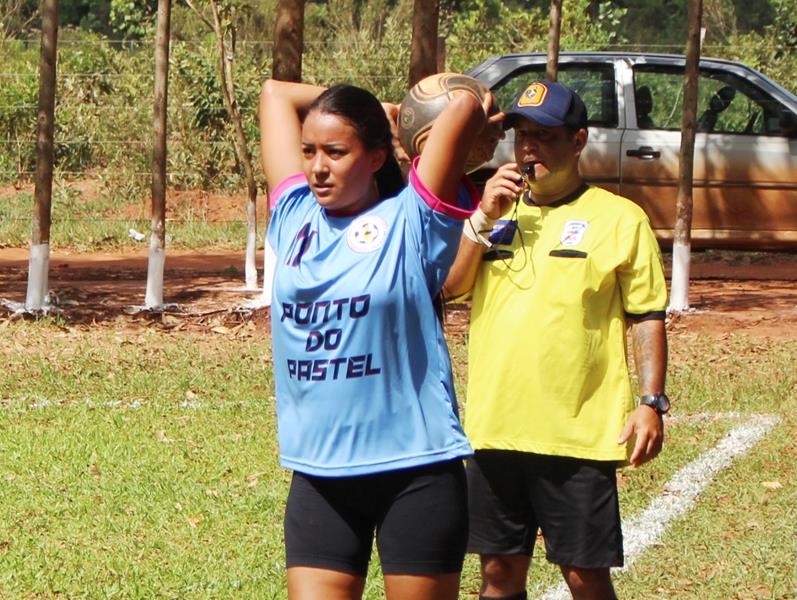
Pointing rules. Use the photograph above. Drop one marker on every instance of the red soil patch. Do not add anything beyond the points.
(743, 294)
(198, 205)
(750, 293)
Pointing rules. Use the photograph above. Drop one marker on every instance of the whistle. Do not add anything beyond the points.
(527, 173)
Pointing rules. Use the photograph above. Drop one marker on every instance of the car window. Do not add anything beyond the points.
(726, 102)
(593, 83)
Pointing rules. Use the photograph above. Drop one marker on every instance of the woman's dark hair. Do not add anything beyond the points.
(365, 114)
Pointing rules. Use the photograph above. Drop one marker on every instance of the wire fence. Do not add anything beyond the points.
(104, 110)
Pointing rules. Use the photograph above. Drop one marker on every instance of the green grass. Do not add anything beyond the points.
(90, 225)
(137, 463)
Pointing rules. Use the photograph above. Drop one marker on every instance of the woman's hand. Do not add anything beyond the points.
(392, 111)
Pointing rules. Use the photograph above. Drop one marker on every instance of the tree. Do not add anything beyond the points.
(423, 58)
(286, 65)
(552, 68)
(157, 241)
(288, 41)
(679, 291)
(16, 16)
(224, 29)
(37, 298)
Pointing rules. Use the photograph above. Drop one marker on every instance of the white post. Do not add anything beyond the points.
(153, 299)
(679, 285)
(38, 296)
(250, 264)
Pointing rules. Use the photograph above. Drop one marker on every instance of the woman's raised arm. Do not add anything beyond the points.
(442, 161)
(282, 106)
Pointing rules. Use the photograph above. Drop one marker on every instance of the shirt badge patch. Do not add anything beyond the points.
(573, 233)
(367, 233)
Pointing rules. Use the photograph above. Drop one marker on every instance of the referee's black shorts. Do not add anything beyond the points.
(572, 501)
(420, 517)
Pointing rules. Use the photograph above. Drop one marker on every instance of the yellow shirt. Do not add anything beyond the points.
(547, 353)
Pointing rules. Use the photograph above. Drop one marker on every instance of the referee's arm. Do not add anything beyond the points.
(500, 191)
(649, 338)
(462, 274)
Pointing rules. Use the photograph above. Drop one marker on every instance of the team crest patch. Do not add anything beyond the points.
(573, 233)
(367, 233)
(534, 95)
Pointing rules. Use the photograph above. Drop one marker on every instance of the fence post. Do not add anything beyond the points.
(682, 237)
(157, 241)
(552, 68)
(286, 55)
(423, 56)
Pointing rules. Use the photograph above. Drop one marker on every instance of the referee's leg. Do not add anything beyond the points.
(502, 525)
(504, 576)
(589, 584)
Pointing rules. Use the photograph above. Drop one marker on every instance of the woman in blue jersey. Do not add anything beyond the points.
(367, 416)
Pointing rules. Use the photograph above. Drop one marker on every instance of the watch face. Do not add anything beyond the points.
(659, 402)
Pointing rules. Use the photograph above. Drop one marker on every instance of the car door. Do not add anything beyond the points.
(745, 173)
(597, 85)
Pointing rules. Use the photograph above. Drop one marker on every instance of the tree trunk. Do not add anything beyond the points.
(441, 54)
(552, 69)
(423, 55)
(226, 56)
(286, 65)
(682, 240)
(286, 57)
(157, 242)
(37, 297)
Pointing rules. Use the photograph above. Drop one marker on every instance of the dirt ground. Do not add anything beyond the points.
(730, 292)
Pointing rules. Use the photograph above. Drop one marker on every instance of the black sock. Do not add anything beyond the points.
(518, 596)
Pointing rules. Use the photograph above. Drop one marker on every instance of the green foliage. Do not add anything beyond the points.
(341, 33)
(132, 18)
(487, 27)
(18, 101)
(661, 22)
(104, 95)
(115, 18)
(16, 17)
(772, 51)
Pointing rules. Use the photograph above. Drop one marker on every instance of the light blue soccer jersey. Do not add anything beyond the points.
(362, 371)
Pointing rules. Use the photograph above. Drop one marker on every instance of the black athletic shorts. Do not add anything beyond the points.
(572, 501)
(420, 517)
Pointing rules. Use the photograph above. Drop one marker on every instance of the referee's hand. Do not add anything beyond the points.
(501, 190)
(648, 427)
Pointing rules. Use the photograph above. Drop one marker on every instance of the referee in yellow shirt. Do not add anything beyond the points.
(558, 270)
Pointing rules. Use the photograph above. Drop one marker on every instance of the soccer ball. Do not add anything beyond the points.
(426, 100)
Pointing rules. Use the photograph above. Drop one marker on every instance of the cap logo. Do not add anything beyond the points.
(534, 95)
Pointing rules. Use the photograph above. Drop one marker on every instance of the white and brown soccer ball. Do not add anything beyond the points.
(426, 100)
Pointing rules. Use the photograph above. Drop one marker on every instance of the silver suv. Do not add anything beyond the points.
(745, 170)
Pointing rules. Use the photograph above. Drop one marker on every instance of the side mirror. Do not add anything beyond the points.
(788, 123)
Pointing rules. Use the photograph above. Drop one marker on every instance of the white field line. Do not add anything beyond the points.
(647, 528)
(31, 404)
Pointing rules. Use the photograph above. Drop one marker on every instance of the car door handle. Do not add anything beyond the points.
(643, 152)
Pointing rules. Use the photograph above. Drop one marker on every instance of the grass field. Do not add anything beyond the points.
(84, 223)
(139, 463)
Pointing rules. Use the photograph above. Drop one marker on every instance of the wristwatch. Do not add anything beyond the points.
(658, 402)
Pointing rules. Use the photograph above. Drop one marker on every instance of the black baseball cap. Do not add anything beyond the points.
(550, 104)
